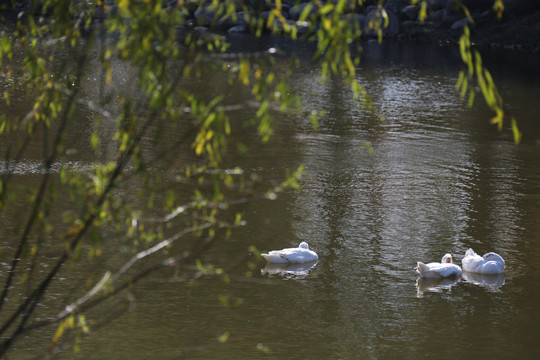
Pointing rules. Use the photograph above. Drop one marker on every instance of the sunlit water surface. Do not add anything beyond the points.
(439, 179)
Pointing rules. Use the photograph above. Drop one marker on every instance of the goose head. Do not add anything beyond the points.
(446, 259)
(303, 245)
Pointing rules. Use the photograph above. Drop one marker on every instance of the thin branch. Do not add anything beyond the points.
(162, 244)
(26, 309)
(92, 298)
(31, 221)
(109, 279)
(90, 294)
(37, 204)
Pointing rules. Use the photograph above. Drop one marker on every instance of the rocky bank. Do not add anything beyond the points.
(517, 29)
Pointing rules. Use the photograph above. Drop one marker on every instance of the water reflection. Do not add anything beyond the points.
(490, 282)
(434, 285)
(439, 180)
(39, 167)
(289, 271)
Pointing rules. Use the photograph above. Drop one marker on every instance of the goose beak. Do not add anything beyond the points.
(448, 260)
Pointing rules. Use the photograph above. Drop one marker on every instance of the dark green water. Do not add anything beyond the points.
(440, 179)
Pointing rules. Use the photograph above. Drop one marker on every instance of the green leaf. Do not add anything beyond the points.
(326, 9)
(498, 7)
(306, 12)
(423, 11)
(368, 147)
(515, 131)
(471, 97)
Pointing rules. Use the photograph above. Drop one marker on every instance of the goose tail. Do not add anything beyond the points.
(421, 267)
(470, 252)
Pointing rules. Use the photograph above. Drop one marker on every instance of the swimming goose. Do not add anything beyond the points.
(439, 270)
(491, 263)
(298, 255)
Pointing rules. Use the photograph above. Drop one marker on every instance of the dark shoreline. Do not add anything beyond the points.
(518, 29)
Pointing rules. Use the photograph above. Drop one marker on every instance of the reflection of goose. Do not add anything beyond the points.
(288, 270)
(492, 282)
(439, 270)
(434, 285)
(298, 255)
(490, 263)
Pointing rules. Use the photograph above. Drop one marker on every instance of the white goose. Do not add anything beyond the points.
(491, 263)
(298, 255)
(435, 270)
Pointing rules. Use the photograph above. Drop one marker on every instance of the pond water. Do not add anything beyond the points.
(440, 179)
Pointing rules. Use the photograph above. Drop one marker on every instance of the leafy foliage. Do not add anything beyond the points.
(475, 71)
(47, 59)
(145, 54)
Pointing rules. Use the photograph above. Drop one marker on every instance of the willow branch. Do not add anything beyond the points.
(37, 202)
(94, 297)
(26, 309)
(110, 279)
(162, 244)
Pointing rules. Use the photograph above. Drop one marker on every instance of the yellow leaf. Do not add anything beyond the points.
(74, 230)
(423, 11)
(109, 76)
(326, 9)
(224, 337)
(33, 251)
(57, 335)
(6, 97)
(385, 18)
(306, 12)
(199, 148)
(70, 322)
(210, 150)
(327, 24)
(146, 43)
(515, 131)
(270, 19)
(464, 88)
(244, 72)
(498, 119)
(471, 98)
(123, 5)
(498, 7)
(460, 80)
